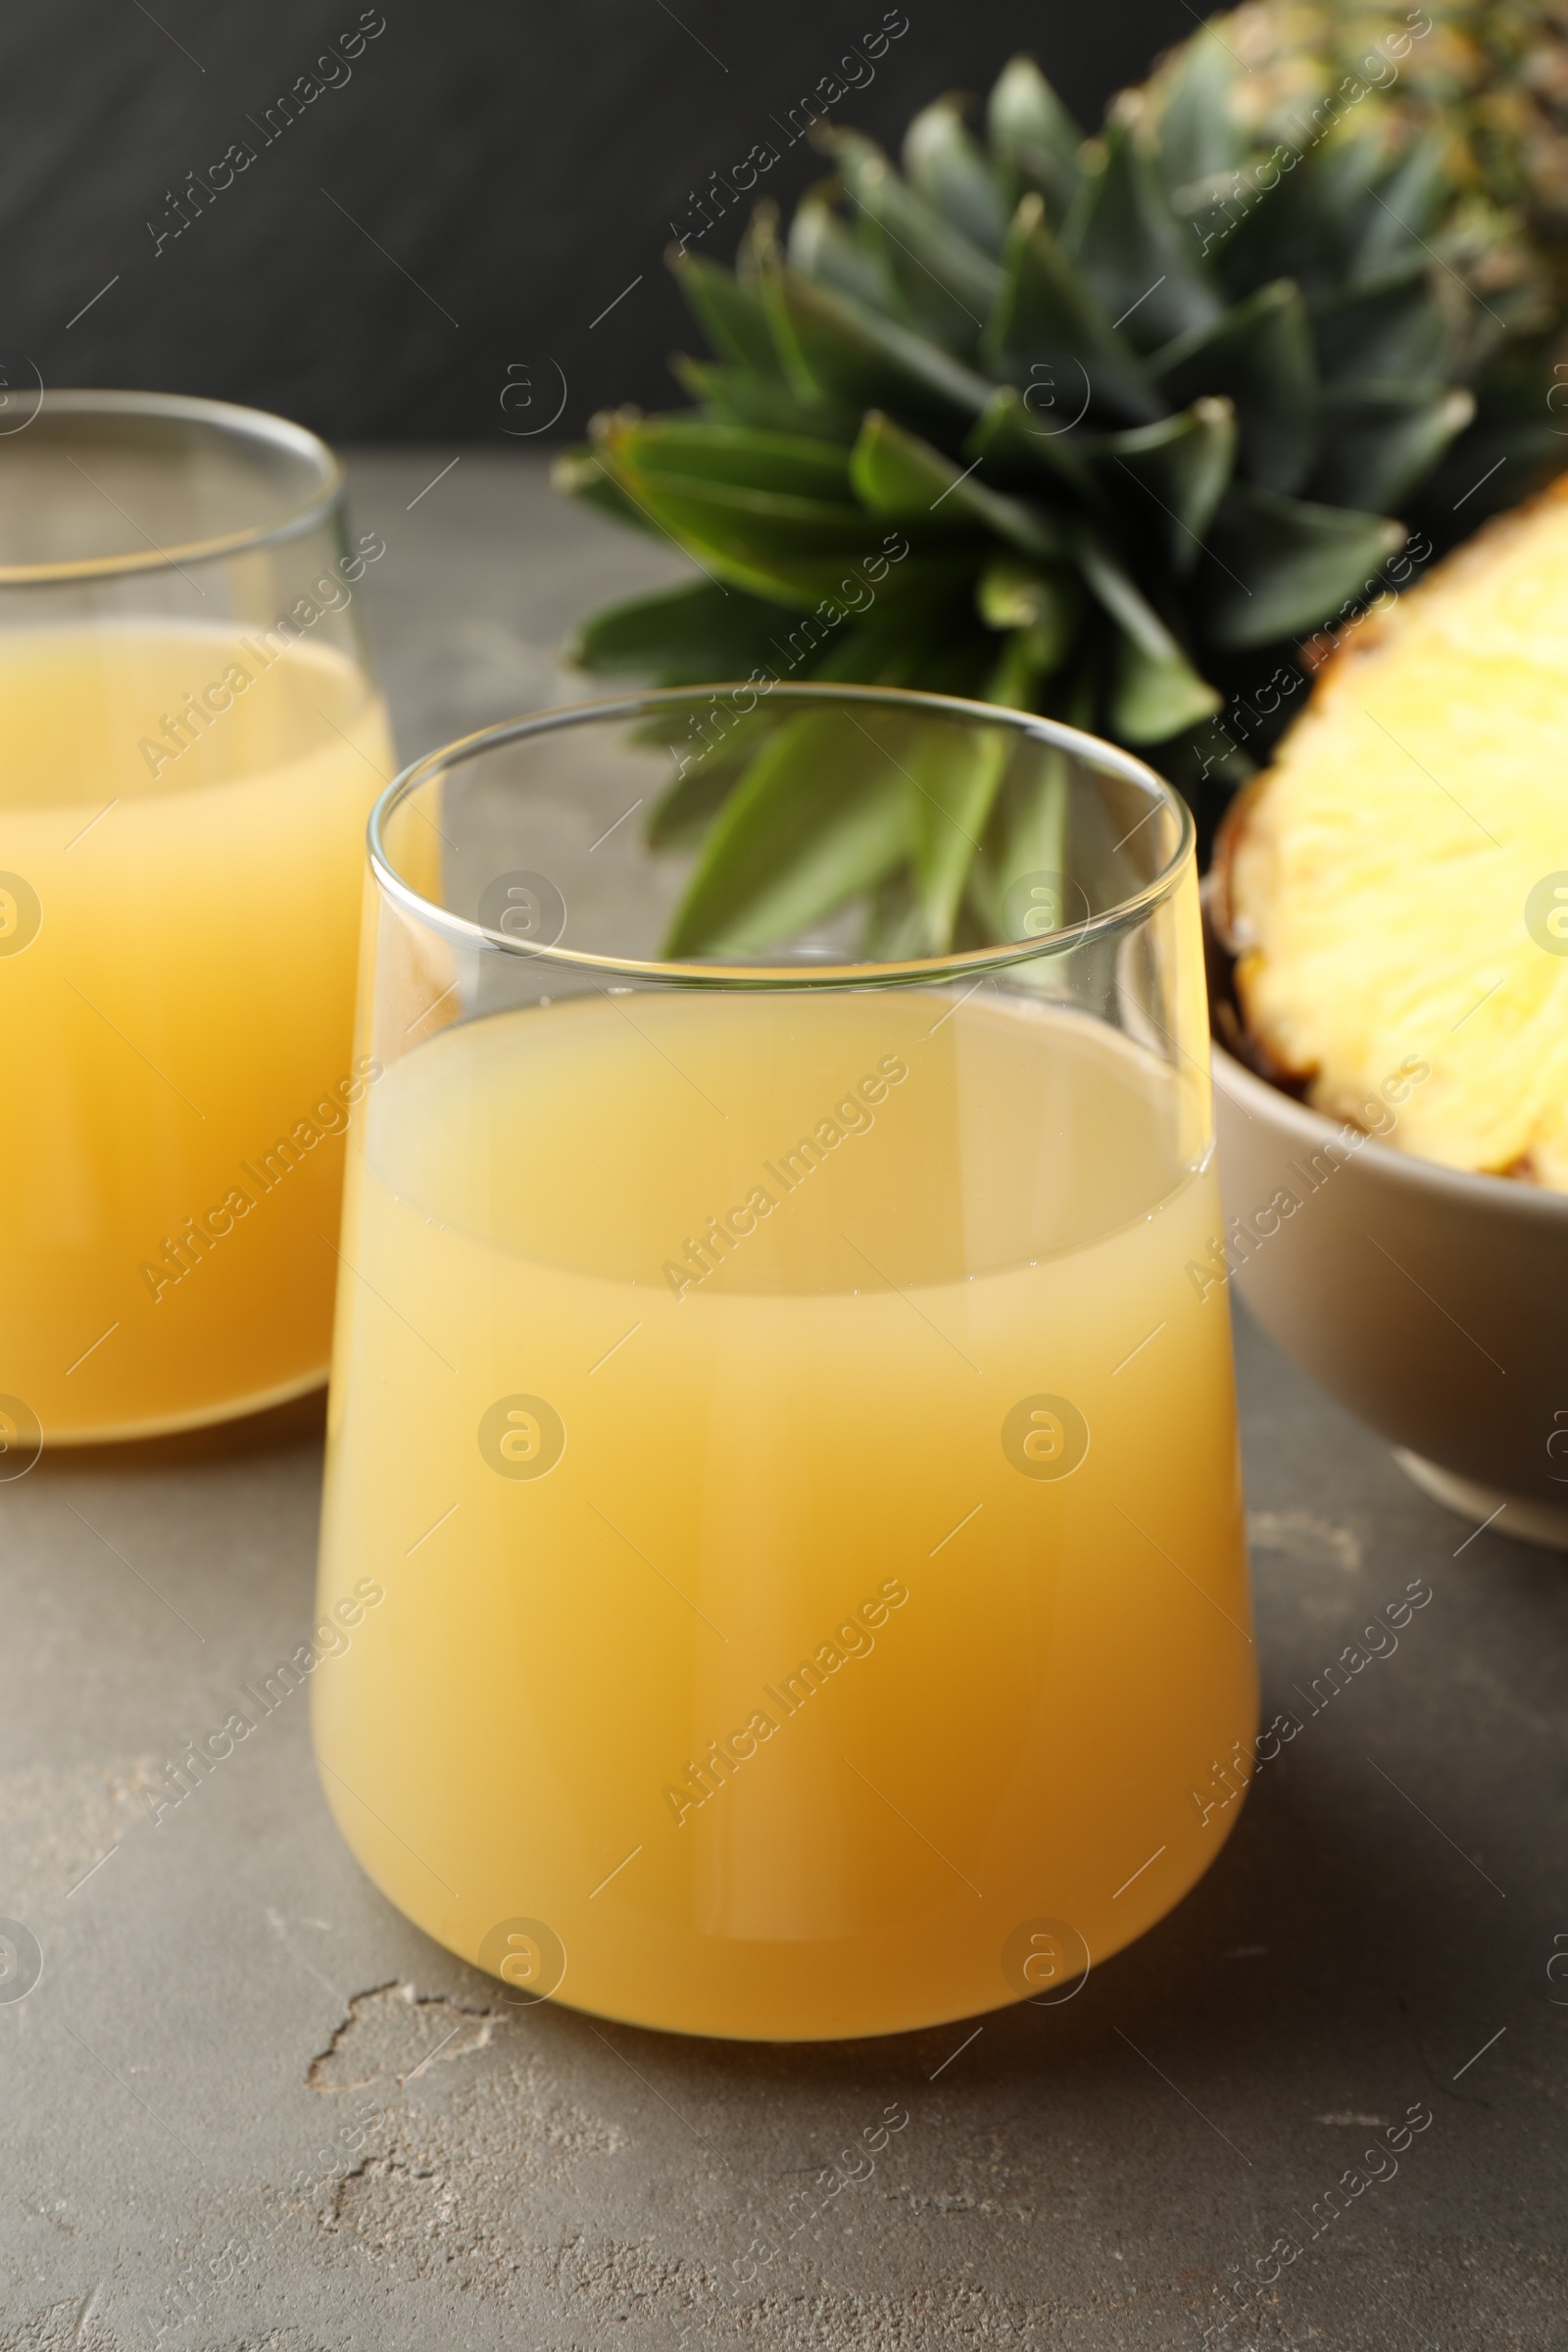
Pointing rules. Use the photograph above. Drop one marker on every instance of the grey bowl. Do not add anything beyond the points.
(1432, 1303)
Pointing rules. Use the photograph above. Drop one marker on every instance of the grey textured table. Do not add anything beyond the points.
(248, 2106)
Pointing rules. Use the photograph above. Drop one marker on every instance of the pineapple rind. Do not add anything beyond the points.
(1377, 874)
(1491, 75)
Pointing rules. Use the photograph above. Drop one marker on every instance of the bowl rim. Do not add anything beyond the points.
(1494, 1194)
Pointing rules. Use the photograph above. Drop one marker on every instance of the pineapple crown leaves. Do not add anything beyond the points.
(1095, 427)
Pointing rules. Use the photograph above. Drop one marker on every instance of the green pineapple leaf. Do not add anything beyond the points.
(730, 314)
(1380, 441)
(1283, 564)
(1026, 839)
(1406, 206)
(681, 818)
(1259, 355)
(895, 473)
(1034, 137)
(692, 450)
(1158, 695)
(1048, 324)
(955, 773)
(731, 396)
(824, 246)
(837, 348)
(1027, 442)
(945, 164)
(581, 474)
(1046, 608)
(1139, 260)
(1387, 329)
(819, 819)
(1200, 137)
(1183, 464)
(683, 636)
(947, 282)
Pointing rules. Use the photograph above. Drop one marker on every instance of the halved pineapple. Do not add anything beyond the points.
(1397, 885)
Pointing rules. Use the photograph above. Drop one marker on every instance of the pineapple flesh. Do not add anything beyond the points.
(1396, 884)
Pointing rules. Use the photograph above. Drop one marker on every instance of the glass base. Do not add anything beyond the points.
(628, 1969)
(168, 1425)
(1540, 1523)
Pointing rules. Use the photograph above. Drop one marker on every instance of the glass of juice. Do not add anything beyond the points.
(189, 741)
(782, 1567)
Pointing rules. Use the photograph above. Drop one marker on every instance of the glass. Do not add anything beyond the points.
(782, 1567)
(189, 742)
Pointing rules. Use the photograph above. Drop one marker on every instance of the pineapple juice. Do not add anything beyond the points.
(804, 1481)
(177, 953)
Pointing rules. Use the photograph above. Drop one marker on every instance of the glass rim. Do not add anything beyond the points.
(183, 408)
(460, 931)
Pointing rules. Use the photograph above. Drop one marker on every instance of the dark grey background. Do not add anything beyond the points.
(522, 163)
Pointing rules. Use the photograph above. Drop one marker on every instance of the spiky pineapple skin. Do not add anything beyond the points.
(1488, 77)
(1374, 883)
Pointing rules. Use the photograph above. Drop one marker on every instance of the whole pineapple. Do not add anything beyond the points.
(1102, 428)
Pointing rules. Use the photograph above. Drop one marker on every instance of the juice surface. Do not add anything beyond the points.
(820, 1644)
(176, 983)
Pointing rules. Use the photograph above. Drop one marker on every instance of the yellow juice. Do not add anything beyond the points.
(801, 1478)
(177, 945)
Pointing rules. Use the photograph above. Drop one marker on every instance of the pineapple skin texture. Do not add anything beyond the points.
(1373, 883)
(1490, 74)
